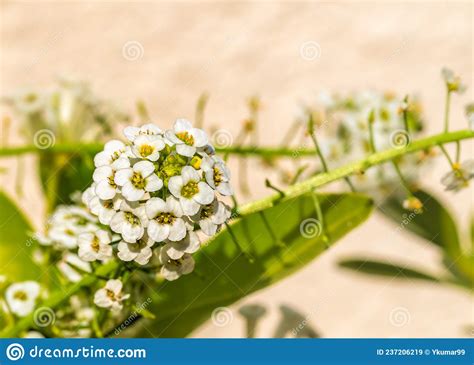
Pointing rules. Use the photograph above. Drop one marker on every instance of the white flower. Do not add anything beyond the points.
(95, 246)
(190, 190)
(165, 219)
(217, 174)
(453, 82)
(186, 138)
(459, 177)
(112, 155)
(210, 217)
(32, 334)
(111, 295)
(189, 244)
(148, 147)
(130, 221)
(21, 297)
(138, 180)
(104, 178)
(73, 267)
(146, 130)
(66, 224)
(103, 209)
(173, 269)
(140, 252)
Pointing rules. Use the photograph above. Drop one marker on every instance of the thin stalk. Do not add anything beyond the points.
(446, 154)
(402, 178)
(446, 110)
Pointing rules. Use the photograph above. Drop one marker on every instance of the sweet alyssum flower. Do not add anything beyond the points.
(95, 245)
(458, 178)
(130, 221)
(154, 191)
(453, 82)
(186, 138)
(140, 251)
(21, 297)
(65, 226)
(111, 295)
(173, 269)
(138, 180)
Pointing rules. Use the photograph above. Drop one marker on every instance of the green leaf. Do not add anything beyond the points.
(223, 274)
(15, 243)
(385, 269)
(434, 223)
(63, 174)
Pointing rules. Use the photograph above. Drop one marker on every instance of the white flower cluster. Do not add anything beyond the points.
(153, 191)
(71, 227)
(343, 122)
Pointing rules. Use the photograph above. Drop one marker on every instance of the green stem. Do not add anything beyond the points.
(349, 169)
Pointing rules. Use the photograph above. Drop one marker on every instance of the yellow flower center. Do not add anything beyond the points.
(132, 219)
(190, 189)
(20, 295)
(217, 176)
(95, 245)
(186, 138)
(146, 150)
(165, 218)
(138, 181)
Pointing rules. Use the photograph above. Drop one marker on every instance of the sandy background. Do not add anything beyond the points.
(236, 49)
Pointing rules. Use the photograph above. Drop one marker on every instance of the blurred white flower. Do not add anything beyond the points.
(458, 178)
(111, 295)
(21, 297)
